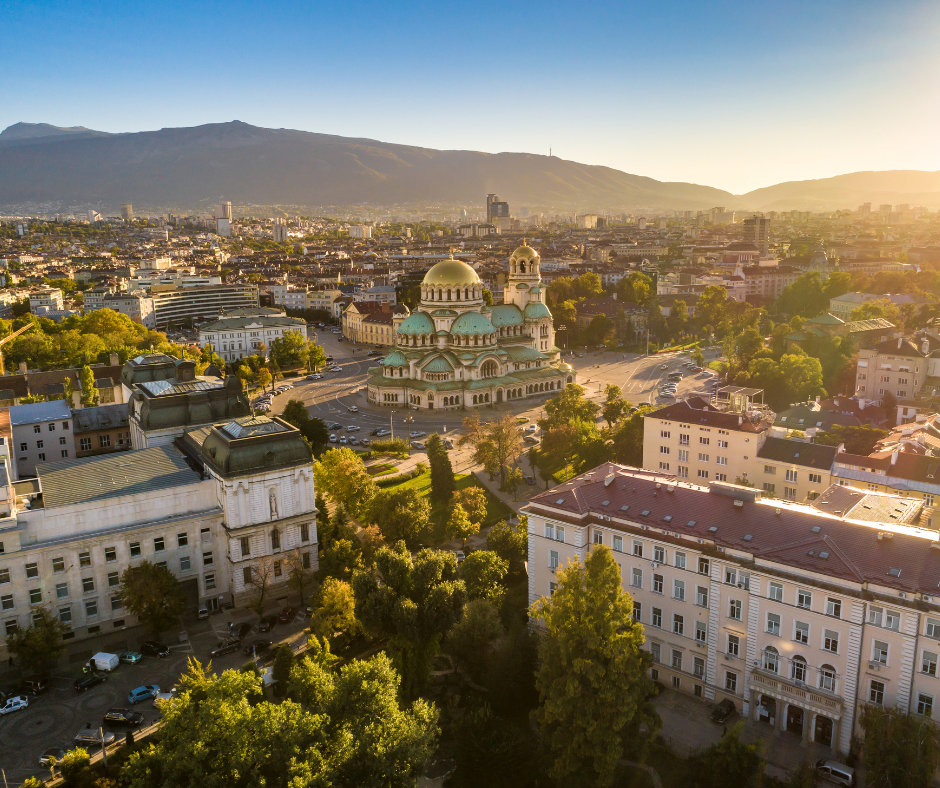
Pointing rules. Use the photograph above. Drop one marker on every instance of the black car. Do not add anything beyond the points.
(34, 685)
(257, 648)
(267, 623)
(287, 615)
(723, 711)
(123, 717)
(89, 681)
(238, 631)
(229, 647)
(53, 752)
(154, 648)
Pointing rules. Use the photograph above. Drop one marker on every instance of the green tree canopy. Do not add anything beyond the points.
(401, 514)
(153, 594)
(899, 750)
(729, 762)
(859, 440)
(341, 475)
(569, 406)
(593, 684)
(482, 573)
(615, 406)
(495, 443)
(511, 543)
(289, 351)
(39, 644)
(443, 483)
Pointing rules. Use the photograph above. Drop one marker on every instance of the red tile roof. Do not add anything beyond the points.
(695, 410)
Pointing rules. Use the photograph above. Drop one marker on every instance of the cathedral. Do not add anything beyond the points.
(455, 352)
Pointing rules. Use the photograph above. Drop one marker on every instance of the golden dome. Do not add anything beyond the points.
(451, 272)
(524, 252)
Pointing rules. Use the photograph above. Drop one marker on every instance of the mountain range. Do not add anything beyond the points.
(195, 167)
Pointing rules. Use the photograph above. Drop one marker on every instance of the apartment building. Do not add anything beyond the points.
(895, 366)
(371, 322)
(696, 441)
(767, 281)
(797, 614)
(793, 469)
(176, 306)
(42, 432)
(323, 299)
(47, 298)
(235, 337)
(138, 306)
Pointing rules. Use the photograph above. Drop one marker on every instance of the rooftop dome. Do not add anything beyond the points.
(536, 310)
(451, 272)
(524, 252)
(417, 323)
(472, 323)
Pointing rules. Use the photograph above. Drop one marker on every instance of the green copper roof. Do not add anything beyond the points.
(536, 311)
(254, 445)
(506, 315)
(438, 364)
(472, 323)
(417, 323)
(524, 354)
(394, 359)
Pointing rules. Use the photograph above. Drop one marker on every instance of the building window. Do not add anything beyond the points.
(876, 692)
(928, 663)
(277, 568)
(701, 596)
(39, 444)
(114, 579)
(4, 576)
(84, 559)
(135, 549)
(831, 641)
(731, 575)
(768, 487)
(104, 441)
(37, 429)
(637, 579)
(804, 599)
(776, 592)
(773, 624)
(638, 549)
(32, 570)
(110, 554)
(827, 678)
(618, 544)
(834, 607)
(207, 559)
(683, 472)
(210, 581)
(698, 668)
(305, 561)
(158, 545)
(798, 669)
(65, 614)
(117, 603)
(656, 619)
(655, 651)
(703, 474)
(815, 478)
(6, 602)
(801, 632)
(304, 532)
(552, 559)
(676, 659)
(184, 563)
(678, 624)
(879, 652)
(734, 645)
(791, 476)
(924, 705)
(182, 540)
(58, 565)
(91, 608)
(637, 611)
(62, 590)
(246, 575)
(731, 681)
(678, 590)
(680, 560)
(683, 439)
(10, 626)
(244, 546)
(88, 585)
(659, 554)
(892, 620)
(734, 609)
(275, 539)
(701, 631)
(549, 531)
(703, 566)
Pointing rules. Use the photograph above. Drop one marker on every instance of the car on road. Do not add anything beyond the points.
(312, 377)
(664, 366)
(376, 431)
(375, 352)
(87, 682)
(238, 631)
(15, 703)
(287, 615)
(267, 623)
(34, 685)
(334, 425)
(257, 647)
(382, 433)
(344, 440)
(417, 445)
(90, 737)
(416, 434)
(352, 409)
(366, 442)
(529, 479)
(354, 441)
(123, 717)
(53, 752)
(154, 648)
(531, 439)
(448, 443)
(336, 368)
(723, 711)
(146, 692)
(835, 772)
(532, 428)
(333, 439)
(521, 419)
(228, 647)
(130, 657)
(353, 428)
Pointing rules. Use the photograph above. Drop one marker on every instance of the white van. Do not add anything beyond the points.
(104, 661)
(836, 773)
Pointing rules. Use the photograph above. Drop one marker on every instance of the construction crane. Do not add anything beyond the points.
(6, 339)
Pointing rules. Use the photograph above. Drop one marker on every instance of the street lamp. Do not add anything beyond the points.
(391, 424)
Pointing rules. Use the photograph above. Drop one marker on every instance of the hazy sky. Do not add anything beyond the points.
(735, 95)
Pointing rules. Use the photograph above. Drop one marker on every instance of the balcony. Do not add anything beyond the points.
(767, 681)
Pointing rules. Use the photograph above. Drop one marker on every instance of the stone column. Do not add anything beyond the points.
(780, 716)
(808, 721)
(836, 731)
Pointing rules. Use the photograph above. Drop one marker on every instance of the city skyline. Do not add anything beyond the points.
(728, 98)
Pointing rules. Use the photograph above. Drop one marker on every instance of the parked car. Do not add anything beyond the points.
(154, 648)
(461, 556)
(34, 685)
(257, 647)
(344, 440)
(532, 428)
(353, 428)
(90, 737)
(662, 366)
(835, 772)
(238, 631)
(123, 717)
(723, 711)
(529, 479)
(104, 661)
(267, 623)
(521, 419)
(353, 409)
(531, 439)
(448, 443)
(87, 682)
(14, 703)
(333, 438)
(417, 445)
(164, 696)
(227, 647)
(353, 441)
(287, 615)
(146, 692)
(53, 752)
(365, 442)
(376, 431)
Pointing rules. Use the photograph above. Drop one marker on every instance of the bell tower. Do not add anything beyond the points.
(524, 274)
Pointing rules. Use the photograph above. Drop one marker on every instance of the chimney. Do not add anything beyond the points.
(22, 367)
(900, 340)
(925, 346)
(817, 399)
(115, 359)
(894, 455)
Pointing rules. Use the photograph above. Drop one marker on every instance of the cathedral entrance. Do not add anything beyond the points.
(499, 395)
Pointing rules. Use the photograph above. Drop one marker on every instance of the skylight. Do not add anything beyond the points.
(815, 529)
(560, 500)
(894, 572)
(691, 524)
(748, 537)
(645, 512)
(824, 554)
(624, 508)
(713, 528)
(668, 518)
(605, 503)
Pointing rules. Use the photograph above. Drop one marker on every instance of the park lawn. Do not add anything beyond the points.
(380, 469)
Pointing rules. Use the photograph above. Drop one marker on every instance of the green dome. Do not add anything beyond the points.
(451, 272)
(472, 323)
(536, 311)
(417, 323)
(506, 315)
(438, 364)
(395, 359)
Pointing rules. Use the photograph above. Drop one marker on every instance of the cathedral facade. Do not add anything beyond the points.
(455, 352)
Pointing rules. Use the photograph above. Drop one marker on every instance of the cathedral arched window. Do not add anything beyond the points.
(275, 539)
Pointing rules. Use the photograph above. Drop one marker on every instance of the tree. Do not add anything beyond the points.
(289, 351)
(514, 479)
(299, 573)
(712, 306)
(339, 728)
(316, 357)
(636, 288)
(336, 611)
(487, 297)
(39, 644)
(600, 331)
(314, 430)
(473, 501)
(495, 444)
(89, 392)
(859, 440)
(153, 594)
(280, 672)
(615, 406)
(511, 543)
(493, 752)
(482, 573)
(419, 601)
(341, 474)
(900, 750)
(628, 439)
(459, 525)
(263, 377)
(569, 406)
(470, 639)
(401, 515)
(592, 681)
(73, 764)
(443, 483)
(262, 575)
(729, 762)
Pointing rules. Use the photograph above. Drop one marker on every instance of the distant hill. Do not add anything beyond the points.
(250, 165)
(191, 168)
(894, 187)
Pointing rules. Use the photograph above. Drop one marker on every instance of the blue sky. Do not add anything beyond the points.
(734, 95)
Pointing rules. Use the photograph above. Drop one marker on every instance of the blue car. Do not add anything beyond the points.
(146, 692)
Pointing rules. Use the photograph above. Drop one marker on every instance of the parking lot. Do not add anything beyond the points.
(57, 715)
